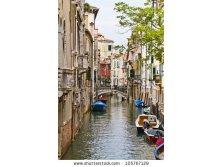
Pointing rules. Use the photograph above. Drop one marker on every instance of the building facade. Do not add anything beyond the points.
(145, 76)
(90, 17)
(105, 51)
(70, 78)
(65, 77)
(118, 70)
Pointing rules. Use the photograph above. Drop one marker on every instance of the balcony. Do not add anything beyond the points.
(83, 62)
(65, 80)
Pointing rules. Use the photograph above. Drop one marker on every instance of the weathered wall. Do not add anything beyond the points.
(66, 137)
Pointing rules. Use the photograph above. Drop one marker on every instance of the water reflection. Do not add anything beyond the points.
(110, 135)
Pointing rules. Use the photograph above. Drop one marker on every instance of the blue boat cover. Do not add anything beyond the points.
(139, 102)
(100, 103)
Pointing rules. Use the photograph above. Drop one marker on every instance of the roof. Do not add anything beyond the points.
(93, 7)
(94, 10)
(100, 37)
(105, 39)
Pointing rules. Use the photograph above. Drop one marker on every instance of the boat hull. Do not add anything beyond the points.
(151, 138)
(153, 134)
(140, 130)
(99, 106)
(141, 106)
(159, 152)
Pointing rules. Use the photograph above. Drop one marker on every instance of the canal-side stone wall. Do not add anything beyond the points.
(160, 113)
(66, 137)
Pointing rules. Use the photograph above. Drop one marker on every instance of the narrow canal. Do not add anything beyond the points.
(110, 135)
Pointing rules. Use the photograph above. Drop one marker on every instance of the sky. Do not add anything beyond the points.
(106, 20)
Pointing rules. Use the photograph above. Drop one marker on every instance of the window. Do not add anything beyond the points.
(154, 71)
(152, 59)
(109, 47)
(118, 64)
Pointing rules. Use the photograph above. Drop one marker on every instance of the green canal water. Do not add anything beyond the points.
(110, 135)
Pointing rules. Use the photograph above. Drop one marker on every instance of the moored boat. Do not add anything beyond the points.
(159, 142)
(99, 106)
(139, 103)
(145, 121)
(159, 152)
(153, 134)
(102, 99)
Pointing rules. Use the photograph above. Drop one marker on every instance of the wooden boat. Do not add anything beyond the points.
(153, 134)
(145, 121)
(159, 152)
(99, 106)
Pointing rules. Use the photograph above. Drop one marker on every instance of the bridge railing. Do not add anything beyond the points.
(104, 87)
(120, 88)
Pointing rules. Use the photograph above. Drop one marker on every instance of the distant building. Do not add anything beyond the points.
(118, 70)
(105, 50)
(90, 17)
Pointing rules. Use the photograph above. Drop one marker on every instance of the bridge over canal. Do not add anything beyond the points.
(117, 90)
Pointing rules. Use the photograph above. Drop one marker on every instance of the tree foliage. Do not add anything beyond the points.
(87, 7)
(147, 25)
(121, 48)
